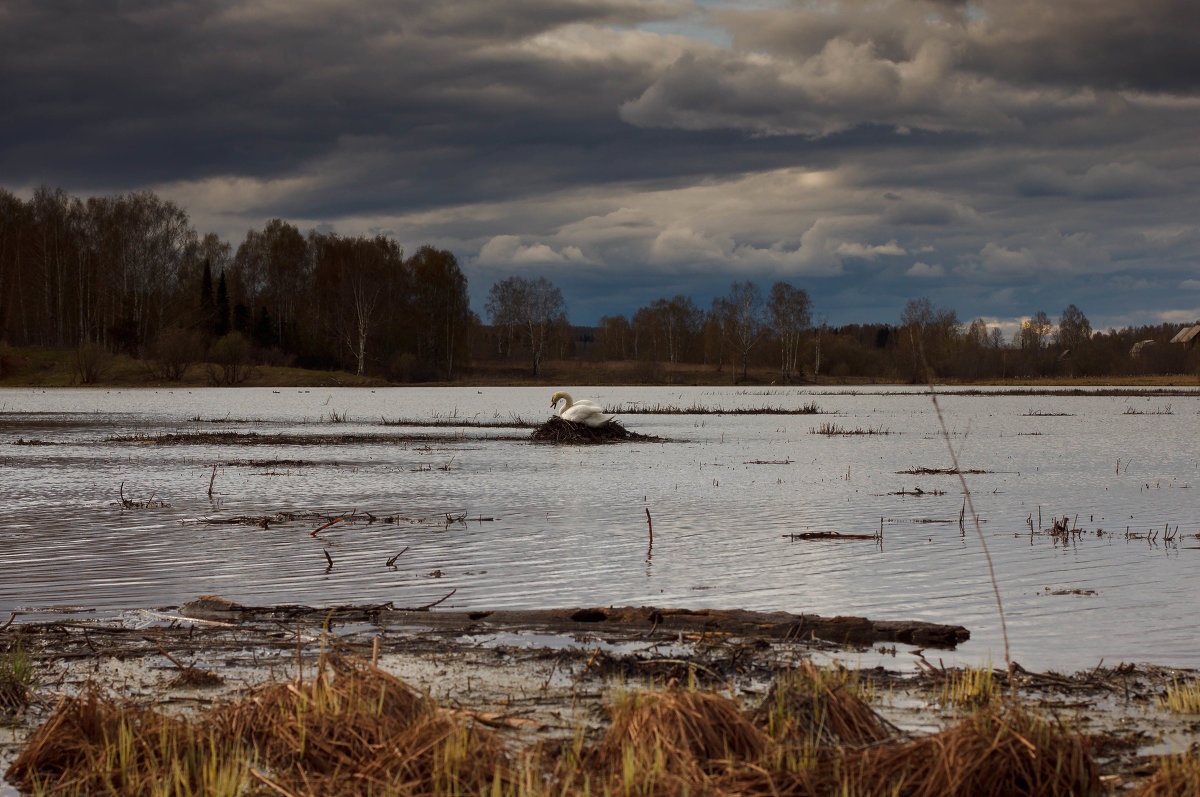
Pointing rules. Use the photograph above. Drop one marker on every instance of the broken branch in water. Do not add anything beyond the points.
(391, 562)
(429, 606)
(149, 503)
(313, 533)
(832, 535)
(329, 559)
(650, 528)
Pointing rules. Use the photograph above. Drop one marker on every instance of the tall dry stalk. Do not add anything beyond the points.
(933, 396)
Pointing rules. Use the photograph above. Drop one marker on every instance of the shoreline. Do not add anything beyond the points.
(540, 676)
(51, 368)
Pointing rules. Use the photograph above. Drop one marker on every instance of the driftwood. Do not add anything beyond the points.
(830, 535)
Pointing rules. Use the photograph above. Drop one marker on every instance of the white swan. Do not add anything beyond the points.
(583, 411)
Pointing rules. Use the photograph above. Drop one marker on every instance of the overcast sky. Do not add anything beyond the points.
(1000, 157)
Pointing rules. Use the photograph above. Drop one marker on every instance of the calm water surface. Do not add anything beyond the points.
(569, 524)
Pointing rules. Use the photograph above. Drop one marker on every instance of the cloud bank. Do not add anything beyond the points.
(999, 157)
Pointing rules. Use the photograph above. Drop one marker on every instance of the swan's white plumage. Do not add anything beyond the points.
(583, 411)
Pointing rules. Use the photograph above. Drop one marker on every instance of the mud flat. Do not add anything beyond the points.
(555, 685)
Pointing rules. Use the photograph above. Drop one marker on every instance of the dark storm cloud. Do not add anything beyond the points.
(1000, 157)
(147, 90)
(1148, 46)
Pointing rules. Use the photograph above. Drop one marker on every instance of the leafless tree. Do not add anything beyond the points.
(790, 311)
(533, 305)
(746, 324)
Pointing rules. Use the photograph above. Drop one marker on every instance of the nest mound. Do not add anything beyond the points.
(556, 430)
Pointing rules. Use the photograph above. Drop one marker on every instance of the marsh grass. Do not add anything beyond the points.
(833, 429)
(1176, 775)
(696, 409)
(511, 421)
(18, 677)
(662, 742)
(971, 687)
(1158, 411)
(811, 709)
(1181, 697)
(93, 744)
(993, 752)
(356, 730)
(352, 729)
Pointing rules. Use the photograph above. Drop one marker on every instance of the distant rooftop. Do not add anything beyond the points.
(1187, 334)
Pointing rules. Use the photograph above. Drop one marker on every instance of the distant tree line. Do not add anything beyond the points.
(744, 329)
(130, 274)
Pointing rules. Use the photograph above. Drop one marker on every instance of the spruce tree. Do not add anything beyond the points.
(207, 308)
(221, 325)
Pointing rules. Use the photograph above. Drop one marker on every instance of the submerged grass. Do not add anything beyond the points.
(696, 409)
(834, 429)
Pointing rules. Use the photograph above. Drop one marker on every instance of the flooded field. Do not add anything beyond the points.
(120, 501)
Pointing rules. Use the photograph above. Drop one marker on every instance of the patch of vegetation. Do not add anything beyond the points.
(17, 679)
(833, 429)
(1158, 411)
(696, 409)
(972, 687)
(1181, 697)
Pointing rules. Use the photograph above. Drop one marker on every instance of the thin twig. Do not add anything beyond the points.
(971, 506)
(429, 606)
(270, 784)
(313, 533)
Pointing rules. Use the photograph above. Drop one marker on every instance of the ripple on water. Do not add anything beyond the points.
(569, 524)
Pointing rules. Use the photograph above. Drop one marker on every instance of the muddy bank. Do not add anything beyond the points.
(544, 675)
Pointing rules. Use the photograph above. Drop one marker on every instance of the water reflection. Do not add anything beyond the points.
(569, 525)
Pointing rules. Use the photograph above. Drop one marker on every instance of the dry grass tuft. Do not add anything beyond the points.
(971, 687)
(1181, 697)
(17, 678)
(994, 752)
(1176, 776)
(93, 744)
(351, 730)
(196, 678)
(356, 730)
(674, 740)
(813, 707)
